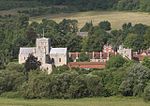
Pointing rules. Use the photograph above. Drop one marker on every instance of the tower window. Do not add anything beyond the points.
(59, 59)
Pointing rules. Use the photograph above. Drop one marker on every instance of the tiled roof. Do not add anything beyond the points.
(89, 65)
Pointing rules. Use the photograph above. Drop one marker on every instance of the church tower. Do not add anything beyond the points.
(43, 45)
(42, 48)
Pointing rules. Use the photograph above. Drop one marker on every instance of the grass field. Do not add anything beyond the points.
(115, 17)
(112, 101)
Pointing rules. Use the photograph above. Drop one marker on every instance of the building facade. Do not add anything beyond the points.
(47, 55)
(125, 52)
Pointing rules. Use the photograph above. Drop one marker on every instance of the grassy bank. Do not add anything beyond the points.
(111, 101)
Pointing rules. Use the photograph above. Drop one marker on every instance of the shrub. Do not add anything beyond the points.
(147, 93)
(135, 80)
(116, 62)
(11, 94)
(10, 80)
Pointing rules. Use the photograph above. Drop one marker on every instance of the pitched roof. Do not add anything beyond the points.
(28, 50)
(58, 51)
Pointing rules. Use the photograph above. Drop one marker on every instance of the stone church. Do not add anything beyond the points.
(47, 55)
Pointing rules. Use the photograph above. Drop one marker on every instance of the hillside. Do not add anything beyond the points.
(117, 19)
(71, 6)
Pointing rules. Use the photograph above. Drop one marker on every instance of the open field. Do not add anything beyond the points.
(115, 17)
(112, 101)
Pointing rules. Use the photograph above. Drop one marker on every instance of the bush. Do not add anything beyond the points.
(135, 80)
(116, 62)
(36, 87)
(147, 93)
(146, 62)
(11, 95)
(10, 80)
(105, 25)
(83, 58)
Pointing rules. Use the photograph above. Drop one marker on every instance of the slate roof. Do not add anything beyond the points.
(28, 50)
(58, 51)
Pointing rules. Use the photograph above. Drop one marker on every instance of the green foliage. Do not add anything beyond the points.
(36, 87)
(31, 63)
(145, 5)
(10, 80)
(105, 25)
(60, 69)
(147, 93)
(140, 29)
(147, 39)
(135, 80)
(134, 41)
(128, 4)
(146, 62)
(115, 62)
(52, 6)
(116, 39)
(68, 26)
(83, 57)
(11, 95)
(87, 27)
(97, 39)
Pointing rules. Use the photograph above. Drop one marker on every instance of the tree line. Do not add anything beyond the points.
(73, 6)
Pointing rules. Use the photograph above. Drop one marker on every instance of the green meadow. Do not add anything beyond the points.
(111, 101)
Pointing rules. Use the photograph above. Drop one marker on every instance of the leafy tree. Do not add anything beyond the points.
(68, 26)
(147, 39)
(147, 93)
(23, 21)
(36, 87)
(31, 35)
(134, 42)
(145, 5)
(127, 26)
(31, 63)
(87, 27)
(105, 25)
(97, 39)
(10, 80)
(74, 43)
(139, 29)
(83, 57)
(115, 62)
(94, 85)
(128, 4)
(135, 80)
(116, 39)
(146, 62)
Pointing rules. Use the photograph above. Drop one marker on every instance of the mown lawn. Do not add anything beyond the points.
(116, 18)
(111, 101)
